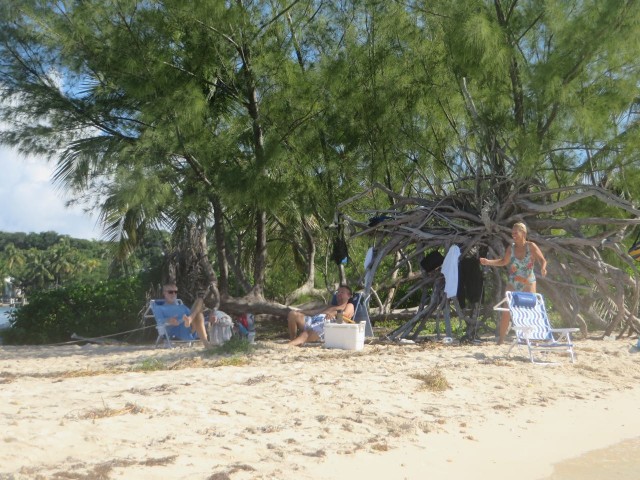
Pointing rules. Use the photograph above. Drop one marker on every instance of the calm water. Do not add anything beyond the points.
(4, 320)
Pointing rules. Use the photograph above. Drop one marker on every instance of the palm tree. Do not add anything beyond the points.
(62, 260)
(38, 270)
(13, 258)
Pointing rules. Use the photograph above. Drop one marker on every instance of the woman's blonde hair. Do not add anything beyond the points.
(521, 226)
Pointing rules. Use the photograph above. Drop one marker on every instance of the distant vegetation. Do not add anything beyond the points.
(75, 286)
(46, 260)
(88, 310)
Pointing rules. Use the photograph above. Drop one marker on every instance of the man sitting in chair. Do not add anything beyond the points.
(173, 313)
(311, 322)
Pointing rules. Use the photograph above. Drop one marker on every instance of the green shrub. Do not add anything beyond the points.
(87, 310)
(150, 365)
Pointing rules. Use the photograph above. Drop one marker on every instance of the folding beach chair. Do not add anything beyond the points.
(361, 311)
(530, 322)
(168, 332)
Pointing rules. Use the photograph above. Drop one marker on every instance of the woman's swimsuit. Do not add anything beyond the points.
(521, 271)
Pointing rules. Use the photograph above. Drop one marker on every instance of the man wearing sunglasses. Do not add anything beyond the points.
(189, 323)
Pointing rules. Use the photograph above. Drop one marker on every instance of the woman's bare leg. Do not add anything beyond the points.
(504, 327)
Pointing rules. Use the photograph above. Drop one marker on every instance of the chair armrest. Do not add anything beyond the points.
(498, 308)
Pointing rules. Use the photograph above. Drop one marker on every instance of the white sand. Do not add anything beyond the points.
(309, 413)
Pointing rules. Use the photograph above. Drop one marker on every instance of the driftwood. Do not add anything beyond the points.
(588, 266)
(586, 270)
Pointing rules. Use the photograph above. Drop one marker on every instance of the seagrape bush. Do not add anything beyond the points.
(92, 310)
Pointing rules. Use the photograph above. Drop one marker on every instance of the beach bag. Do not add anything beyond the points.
(245, 324)
(340, 253)
(220, 330)
(634, 251)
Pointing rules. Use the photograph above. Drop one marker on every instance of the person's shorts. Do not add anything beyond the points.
(315, 324)
(181, 332)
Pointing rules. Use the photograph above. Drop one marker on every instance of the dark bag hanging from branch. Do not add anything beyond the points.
(634, 251)
(431, 261)
(340, 253)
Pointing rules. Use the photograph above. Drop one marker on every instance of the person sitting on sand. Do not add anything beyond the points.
(173, 313)
(521, 257)
(311, 322)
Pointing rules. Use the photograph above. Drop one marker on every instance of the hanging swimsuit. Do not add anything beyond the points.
(521, 271)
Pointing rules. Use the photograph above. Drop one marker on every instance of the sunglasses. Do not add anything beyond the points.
(172, 291)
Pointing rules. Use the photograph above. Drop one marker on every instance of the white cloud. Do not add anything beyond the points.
(30, 203)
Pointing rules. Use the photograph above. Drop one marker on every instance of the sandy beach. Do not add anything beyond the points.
(394, 412)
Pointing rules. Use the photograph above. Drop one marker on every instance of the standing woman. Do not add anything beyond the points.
(520, 257)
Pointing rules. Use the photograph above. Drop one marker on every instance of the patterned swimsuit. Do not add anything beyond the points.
(521, 271)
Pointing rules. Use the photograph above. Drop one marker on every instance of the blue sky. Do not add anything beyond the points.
(30, 203)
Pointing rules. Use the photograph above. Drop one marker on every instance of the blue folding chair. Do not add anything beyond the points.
(169, 332)
(362, 313)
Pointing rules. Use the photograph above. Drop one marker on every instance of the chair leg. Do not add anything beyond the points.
(573, 359)
(162, 333)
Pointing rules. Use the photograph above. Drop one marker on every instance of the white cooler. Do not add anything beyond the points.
(346, 336)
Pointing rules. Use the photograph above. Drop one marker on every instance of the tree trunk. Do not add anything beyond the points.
(260, 264)
(212, 295)
(221, 245)
(308, 287)
(253, 109)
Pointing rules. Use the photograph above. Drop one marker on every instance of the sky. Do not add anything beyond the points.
(30, 203)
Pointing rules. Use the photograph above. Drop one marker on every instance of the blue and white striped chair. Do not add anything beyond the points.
(531, 325)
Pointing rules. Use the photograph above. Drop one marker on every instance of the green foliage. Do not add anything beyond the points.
(49, 260)
(164, 113)
(458, 327)
(40, 261)
(94, 310)
(39, 241)
(388, 325)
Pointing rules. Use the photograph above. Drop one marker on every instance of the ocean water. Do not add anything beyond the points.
(4, 320)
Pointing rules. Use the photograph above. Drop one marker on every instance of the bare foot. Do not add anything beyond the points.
(173, 321)
(187, 321)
